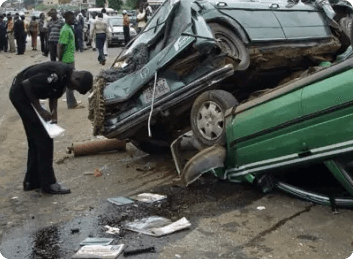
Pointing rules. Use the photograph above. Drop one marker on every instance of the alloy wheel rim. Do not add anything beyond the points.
(210, 120)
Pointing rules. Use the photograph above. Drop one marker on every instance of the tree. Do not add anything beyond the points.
(132, 4)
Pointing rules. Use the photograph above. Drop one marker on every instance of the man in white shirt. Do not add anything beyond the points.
(92, 20)
(141, 18)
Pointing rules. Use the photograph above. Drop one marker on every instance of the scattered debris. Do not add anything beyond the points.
(145, 169)
(97, 173)
(177, 256)
(140, 251)
(157, 226)
(99, 252)
(62, 160)
(88, 173)
(120, 201)
(261, 208)
(149, 197)
(95, 147)
(75, 230)
(89, 241)
(111, 230)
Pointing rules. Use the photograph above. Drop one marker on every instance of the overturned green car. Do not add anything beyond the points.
(189, 47)
(306, 121)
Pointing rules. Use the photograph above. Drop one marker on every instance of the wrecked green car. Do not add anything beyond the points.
(304, 122)
(189, 47)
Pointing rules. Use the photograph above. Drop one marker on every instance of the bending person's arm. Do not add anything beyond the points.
(27, 85)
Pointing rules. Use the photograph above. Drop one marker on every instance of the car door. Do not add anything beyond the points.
(256, 17)
(263, 136)
(327, 127)
(300, 21)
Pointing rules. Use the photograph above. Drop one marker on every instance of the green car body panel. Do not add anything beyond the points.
(311, 123)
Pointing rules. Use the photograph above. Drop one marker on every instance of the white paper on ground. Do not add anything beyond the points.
(148, 197)
(111, 230)
(98, 251)
(52, 129)
(1, 257)
(351, 257)
(157, 226)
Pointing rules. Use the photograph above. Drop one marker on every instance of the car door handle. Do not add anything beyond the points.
(274, 6)
(222, 4)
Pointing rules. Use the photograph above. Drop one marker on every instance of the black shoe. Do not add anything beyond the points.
(56, 189)
(28, 187)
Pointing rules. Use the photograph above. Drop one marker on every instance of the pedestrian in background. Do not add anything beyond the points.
(33, 31)
(43, 81)
(42, 35)
(92, 20)
(79, 31)
(66, 54)
(141, 18)
(54, 27)
(10, 34)
(148, 12)
(106, 20)
(126, 27)
(100, 29)
(19, 32)
(3, 32)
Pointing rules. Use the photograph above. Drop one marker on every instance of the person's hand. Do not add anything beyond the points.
(45, 115)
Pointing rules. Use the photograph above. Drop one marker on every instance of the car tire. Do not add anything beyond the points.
(207, 117)
(346, 25)
(231, 44)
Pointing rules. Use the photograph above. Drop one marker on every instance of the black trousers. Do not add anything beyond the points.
(40, 172)
(43, 42)
(126, 34)
(52, 50)
(3, 43)
(21, 43)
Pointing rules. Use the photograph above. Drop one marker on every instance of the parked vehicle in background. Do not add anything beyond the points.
(117, 32)
(132, 15)
(110, 12)
(36, 14)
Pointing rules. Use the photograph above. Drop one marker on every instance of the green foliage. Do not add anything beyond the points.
(115, 4)
(100, 3)
(132, 4)
(29, 2)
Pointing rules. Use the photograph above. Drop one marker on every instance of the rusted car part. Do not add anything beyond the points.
(95, 147)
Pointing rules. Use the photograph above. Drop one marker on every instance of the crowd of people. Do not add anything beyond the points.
(49, 80)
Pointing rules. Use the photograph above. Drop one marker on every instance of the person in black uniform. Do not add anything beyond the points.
(19, 31)
(42, 81)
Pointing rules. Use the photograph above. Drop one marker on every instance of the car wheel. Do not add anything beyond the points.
(207, 116)
(231, 44)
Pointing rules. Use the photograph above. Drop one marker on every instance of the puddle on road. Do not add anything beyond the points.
(207, 197)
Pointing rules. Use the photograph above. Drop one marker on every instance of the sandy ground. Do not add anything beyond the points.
(225, 220)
